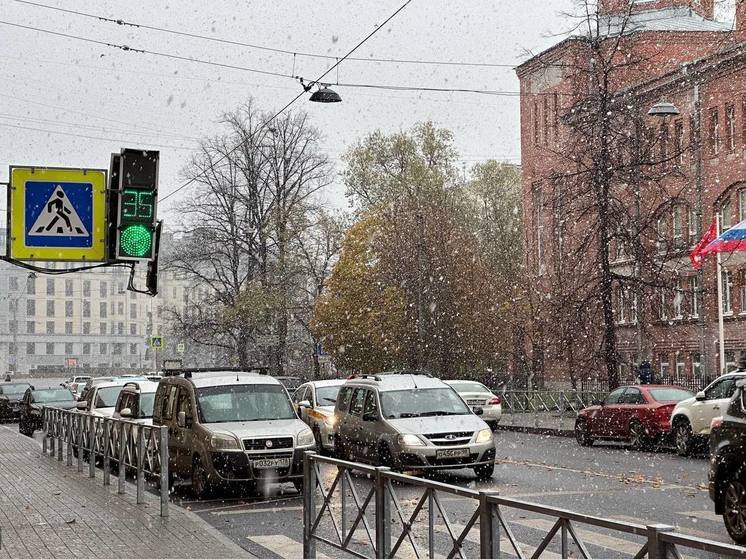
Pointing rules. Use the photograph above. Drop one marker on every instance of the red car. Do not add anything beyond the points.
(639, 414)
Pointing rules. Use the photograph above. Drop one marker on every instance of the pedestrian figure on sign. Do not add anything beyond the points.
(60, 210)
(7, 377)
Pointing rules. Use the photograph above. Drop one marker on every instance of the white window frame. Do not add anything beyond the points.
(727, 293)
(696, 303)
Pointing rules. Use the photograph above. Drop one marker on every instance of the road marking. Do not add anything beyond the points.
(703, 515)
(683, 529)
(505, 546)
(561, 493)
(282, 546)
(254, 511)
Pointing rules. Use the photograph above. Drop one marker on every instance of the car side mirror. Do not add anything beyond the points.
(82, 405)
(181, 419)
(304, 404)
(62, 384)
(700, 396)
(479, 411)
(126, 412)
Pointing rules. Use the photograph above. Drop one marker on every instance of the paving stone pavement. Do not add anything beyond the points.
(541, 423)
(50, 511)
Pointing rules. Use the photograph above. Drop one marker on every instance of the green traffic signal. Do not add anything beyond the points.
(136, 241)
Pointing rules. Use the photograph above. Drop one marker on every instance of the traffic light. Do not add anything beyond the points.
(151, 279)
(134, 191)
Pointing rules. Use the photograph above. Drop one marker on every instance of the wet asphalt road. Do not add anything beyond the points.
(605, 480)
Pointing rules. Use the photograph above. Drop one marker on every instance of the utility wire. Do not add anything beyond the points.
(123, 23)
(294, 99)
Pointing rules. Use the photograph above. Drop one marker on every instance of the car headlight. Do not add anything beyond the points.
(221, 441)
(410, 440)
(306, 438)
(330, 420)
(484, 436)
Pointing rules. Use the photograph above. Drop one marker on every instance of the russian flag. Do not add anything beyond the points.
(732, 240)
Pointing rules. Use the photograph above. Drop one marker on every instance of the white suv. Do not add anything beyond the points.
(691, 418)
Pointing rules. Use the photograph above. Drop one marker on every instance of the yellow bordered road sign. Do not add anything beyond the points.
(57, 214)
(156, 342)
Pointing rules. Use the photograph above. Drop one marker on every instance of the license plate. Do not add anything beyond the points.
(272, 463)
(452, 453)
(475, 402)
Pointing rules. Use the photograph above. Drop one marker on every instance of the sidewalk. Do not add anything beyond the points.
(542, 423)
(49, 511)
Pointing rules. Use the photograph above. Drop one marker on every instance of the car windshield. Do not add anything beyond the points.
(107, 397)
(470, 387)
(669, 394)
(14, 389)
(45, 396)
(146, 405)
(422, 402)
(327, 395)
(243, 402)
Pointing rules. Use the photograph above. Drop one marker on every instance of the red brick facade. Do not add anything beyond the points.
(699, 67)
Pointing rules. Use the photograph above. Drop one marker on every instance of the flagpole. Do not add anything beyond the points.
(721, 327)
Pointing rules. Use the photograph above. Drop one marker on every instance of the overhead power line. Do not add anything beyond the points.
(124, 23)
(293, 100)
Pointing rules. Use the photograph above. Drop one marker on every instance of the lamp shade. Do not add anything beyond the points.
(325, 95)
(664, 108)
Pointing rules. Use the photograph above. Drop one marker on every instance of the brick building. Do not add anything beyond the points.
(697, 63)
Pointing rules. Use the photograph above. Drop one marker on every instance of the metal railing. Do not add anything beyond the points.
(127, 445)
(388, 523)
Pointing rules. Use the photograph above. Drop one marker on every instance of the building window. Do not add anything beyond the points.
(30, 348)
(621, 306)
(30, 307)
(697, 370)
(726, 216)
(12, 283)
(31, 285)
(730, 361)
(695, 233)
(660, 228)
(545, 118)
(680, 365)
(742, 281)
(714, 136)
(664, 364)
(103, 289)
(727, 286)
(68, 288)
(31, 327)
(678, 135)
(50, 308)
(120, 328)
(86, 348)
(664, 146)
(86, 288)
(133, 329)
(68, 309)
(86, 309)
(555, 112)
(678, 226)
(730, 127)
(537, 132)
(86, 328)
(50, 326)
(68, 348)
(742, 204)
(12, 326)
(117, 349)
(50, 286)
(68, 327)
(102, 328)
(102, 310)
(696, 297)
(133, 310)
(678, 301)
(102, 349)
(120, 308)
(133, 349)
(538, 224)
(663, 307)
(12, 348)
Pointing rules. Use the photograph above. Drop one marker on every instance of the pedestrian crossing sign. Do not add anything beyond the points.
(57, 214)
(156, 342)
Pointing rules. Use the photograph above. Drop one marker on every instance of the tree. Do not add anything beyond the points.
(251, 187)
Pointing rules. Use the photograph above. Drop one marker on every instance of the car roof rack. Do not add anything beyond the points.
(188, 371)
(417, 372)
(363, 376)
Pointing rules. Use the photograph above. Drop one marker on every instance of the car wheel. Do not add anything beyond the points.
(339, 448)
(683, 438)
(484, 472)
(386, 457)
(734, 510)
(637, 438)
(581, 433)
(200, 481)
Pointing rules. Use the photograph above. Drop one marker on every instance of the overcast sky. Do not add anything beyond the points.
(65, 89)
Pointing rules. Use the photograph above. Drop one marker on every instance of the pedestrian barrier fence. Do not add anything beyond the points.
(117, 444)
(370, 521)
(561, 401)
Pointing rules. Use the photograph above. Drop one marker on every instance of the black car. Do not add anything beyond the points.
(35, 400)
(11, 394)
(728, 464)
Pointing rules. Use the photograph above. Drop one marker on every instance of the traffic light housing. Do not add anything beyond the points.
(133, 198)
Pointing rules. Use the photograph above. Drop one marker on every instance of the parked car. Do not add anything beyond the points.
(90, 383)
(638, 414)
(477, 395)
(231, 428)
(35, 400)
(314, 402)
(75, 384)
(291, 383)
(727, 477)
(101, 398)
(135, 401)
(11, 394)
(691, 418)
(411, 421)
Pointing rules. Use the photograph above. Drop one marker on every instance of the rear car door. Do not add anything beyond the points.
(183, 435)
(355, 441)
(372, 427)
(303, 393)
(630, 407)
(715, 403)
(603, 423)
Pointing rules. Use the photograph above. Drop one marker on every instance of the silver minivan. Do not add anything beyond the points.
(411, 421)
(231, 428)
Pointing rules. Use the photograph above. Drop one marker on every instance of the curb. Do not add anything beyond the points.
(552, 431)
